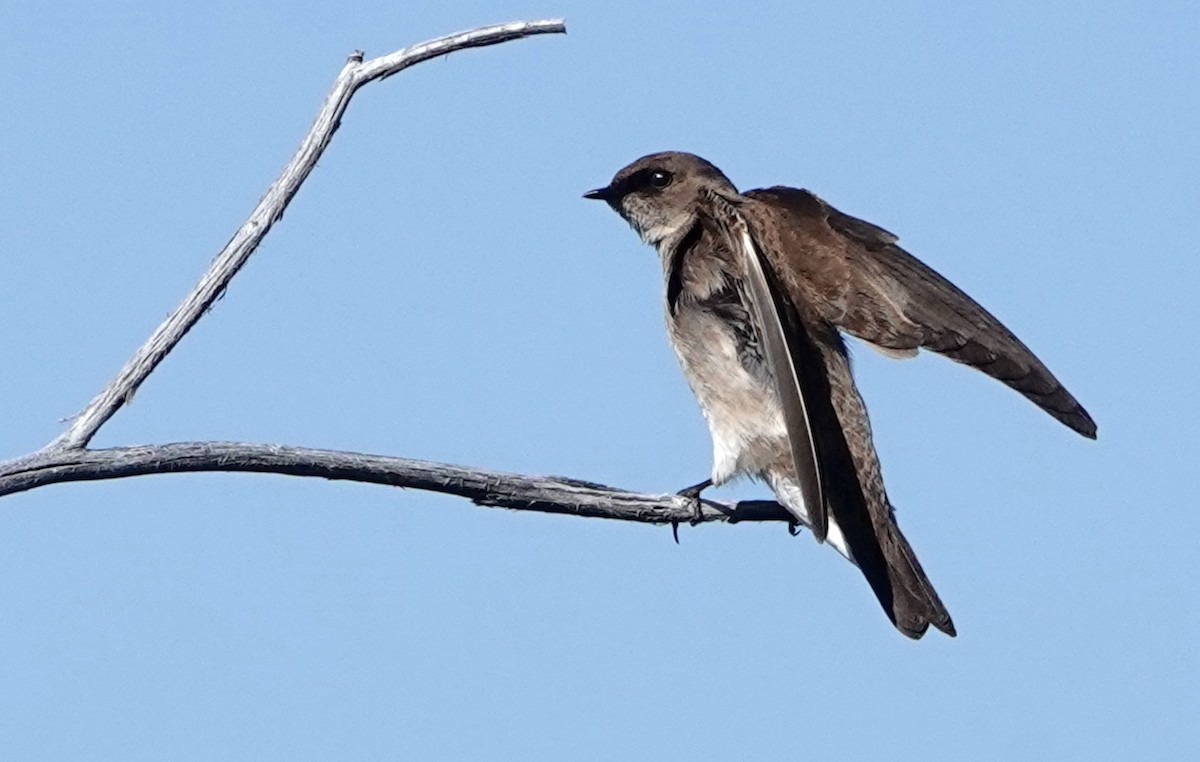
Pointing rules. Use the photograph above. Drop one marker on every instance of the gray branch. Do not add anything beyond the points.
(548, 494)
(67, 458)
(354, 75)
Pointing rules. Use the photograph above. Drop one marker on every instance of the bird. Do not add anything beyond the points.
(759, 289)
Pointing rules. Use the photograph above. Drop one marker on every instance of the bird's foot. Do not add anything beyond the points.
(692, 493)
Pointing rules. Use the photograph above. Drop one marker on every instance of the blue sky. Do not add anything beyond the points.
(440, 290)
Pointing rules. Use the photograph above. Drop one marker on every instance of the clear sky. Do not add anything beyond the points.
(440, 290)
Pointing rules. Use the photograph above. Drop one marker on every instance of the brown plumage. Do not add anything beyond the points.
(861, 281)
(758, 286)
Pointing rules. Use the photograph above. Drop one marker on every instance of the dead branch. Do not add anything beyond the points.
(68, 459)
(548, 494)
(245, 241)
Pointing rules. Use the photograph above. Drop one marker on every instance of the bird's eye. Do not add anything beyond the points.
(660, 178)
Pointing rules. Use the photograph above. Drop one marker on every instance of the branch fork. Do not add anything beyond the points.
(68, 458)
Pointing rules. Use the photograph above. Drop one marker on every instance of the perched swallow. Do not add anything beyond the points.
(758, 287)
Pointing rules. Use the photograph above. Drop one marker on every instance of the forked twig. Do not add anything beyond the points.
(245, 241)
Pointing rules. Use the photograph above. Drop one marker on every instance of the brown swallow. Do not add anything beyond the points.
(758, 287)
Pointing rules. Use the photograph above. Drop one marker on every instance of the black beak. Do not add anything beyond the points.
(601, 194)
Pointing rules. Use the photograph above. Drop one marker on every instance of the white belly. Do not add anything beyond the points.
(743, 411)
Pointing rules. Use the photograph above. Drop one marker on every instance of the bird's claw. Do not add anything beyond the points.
(692, 493)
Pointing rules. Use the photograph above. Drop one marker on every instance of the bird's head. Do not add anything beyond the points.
(658, 194)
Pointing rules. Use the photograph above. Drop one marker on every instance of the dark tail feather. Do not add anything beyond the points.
(916, 604)
(890, 566)
(856, 497)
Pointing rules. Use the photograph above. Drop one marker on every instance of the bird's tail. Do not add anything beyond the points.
(882, 553)
(914, 604)
(856, 498)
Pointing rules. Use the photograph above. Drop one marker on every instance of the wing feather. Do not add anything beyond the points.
(891, 299)
(834, 425)
(764, 302)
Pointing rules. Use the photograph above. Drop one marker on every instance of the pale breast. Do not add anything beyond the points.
(719, 355)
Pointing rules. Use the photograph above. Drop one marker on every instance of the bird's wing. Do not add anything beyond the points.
(835, 443)
(766, 309)
(871, 288)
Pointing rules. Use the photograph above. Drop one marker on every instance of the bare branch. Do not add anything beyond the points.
(548, 494)
(354, 75)
(67, 458)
